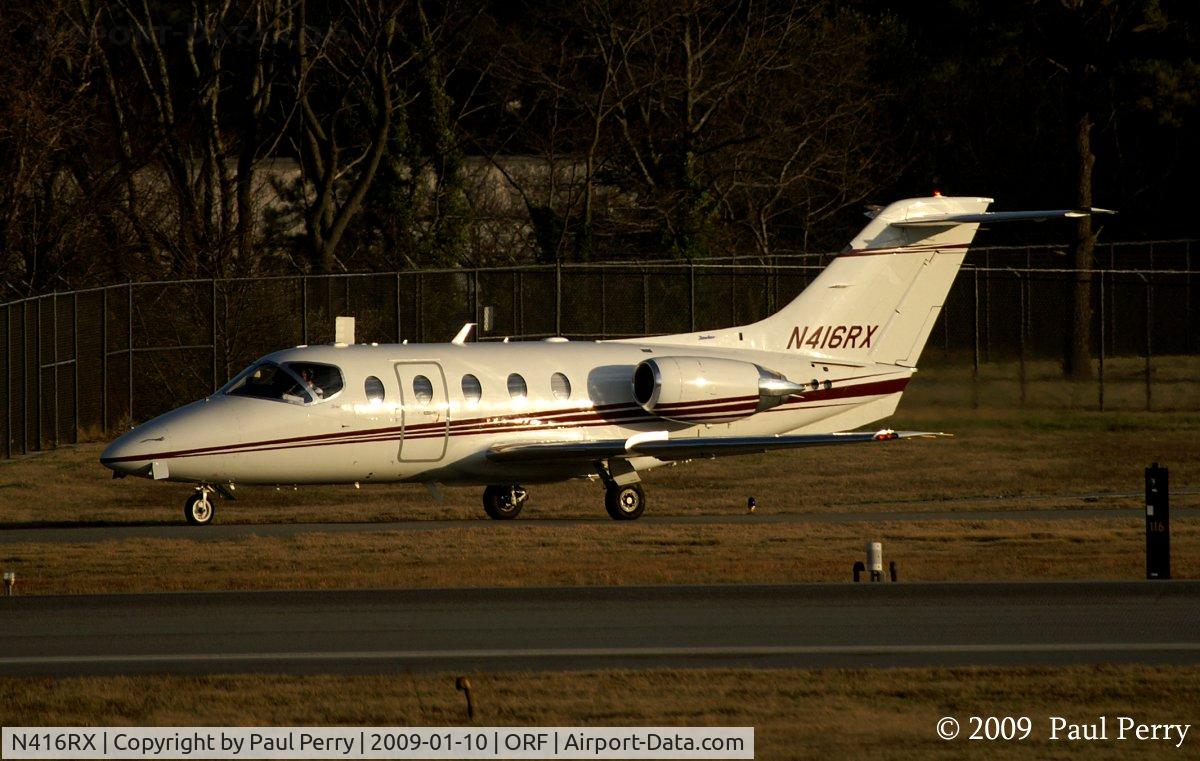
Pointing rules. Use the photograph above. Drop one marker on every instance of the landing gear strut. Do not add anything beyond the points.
(201, 506)
(504, 502)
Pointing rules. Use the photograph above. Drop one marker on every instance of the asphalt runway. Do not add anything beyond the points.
(812, 625)
(85, 532)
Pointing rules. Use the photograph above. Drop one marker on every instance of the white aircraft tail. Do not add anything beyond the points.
(878, 300)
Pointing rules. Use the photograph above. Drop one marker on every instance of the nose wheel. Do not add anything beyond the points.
(504, 502)
(200, 507)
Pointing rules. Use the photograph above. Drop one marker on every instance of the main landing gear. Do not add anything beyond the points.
(623, 501)
(503, 503)
(624, 498)
(201, 507)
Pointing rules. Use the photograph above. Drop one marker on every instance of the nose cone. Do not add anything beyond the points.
(132, 453)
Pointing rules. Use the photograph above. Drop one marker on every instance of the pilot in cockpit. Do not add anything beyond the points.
(306, 376)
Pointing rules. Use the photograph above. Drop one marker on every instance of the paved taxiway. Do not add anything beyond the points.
(103, 533)
(734, 625)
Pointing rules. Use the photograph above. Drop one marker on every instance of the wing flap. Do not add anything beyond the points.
(686, 448)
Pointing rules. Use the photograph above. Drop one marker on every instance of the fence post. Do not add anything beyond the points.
(1149, 334)
(54, 372)
(692, 295)
(398, 332)
(603, 302)
(8, 432)
(37, 363)
(1024, 305)
(476, 311)
(1190, 341)
(1103, 326)
(25, 378)
(75, 362)
(987, 306)
(104, 360)
(304, 309)
(558, 297)
(129, 345)
(645, 303)
(975, 347)
(213, 331)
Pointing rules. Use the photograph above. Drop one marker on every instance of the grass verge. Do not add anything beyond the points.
(797, 713)
(544, 554)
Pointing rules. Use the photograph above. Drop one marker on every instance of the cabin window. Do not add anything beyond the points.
(516, 386)
(374, 388)
(471, 388)
(422, 389)
(292, 382)
(560, 386)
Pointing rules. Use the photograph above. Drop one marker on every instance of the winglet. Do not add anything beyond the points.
(461, 338)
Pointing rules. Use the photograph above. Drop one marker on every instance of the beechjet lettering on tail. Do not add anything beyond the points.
(499, 415)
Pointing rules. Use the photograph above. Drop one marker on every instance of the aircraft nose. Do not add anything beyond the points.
(132, 452)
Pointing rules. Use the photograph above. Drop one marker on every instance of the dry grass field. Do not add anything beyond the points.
(1173, 384)
(886, 713)
(541, 553)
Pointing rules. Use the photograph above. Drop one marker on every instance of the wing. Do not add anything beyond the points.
(659, 446)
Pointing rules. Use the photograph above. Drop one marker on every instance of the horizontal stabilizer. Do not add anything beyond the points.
(685, 448)
(987, 217)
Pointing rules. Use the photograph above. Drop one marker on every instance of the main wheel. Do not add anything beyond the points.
(503, 503)
(625, 503)
(200, 509)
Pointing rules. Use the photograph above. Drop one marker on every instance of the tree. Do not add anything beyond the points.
(348, 95)
(56, 198)
(189, 91)
(1098, 51)
(737, 115)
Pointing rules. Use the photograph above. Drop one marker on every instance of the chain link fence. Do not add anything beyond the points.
(86, 364)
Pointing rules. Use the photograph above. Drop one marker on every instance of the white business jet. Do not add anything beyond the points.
(836, 358)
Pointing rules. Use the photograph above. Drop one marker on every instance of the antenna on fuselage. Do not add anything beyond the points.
(463, 332)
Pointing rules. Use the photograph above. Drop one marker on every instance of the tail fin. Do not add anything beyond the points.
(878, 300)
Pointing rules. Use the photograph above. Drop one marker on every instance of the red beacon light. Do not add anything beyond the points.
(937, 193)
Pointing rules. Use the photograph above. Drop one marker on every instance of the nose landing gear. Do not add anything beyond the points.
(201, 507)
(504, 502)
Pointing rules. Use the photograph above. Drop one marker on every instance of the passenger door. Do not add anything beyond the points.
(424, 411)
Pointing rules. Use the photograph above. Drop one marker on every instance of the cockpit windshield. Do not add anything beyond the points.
(292, 382)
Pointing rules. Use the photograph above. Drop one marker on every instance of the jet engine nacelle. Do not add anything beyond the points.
(707, 389)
